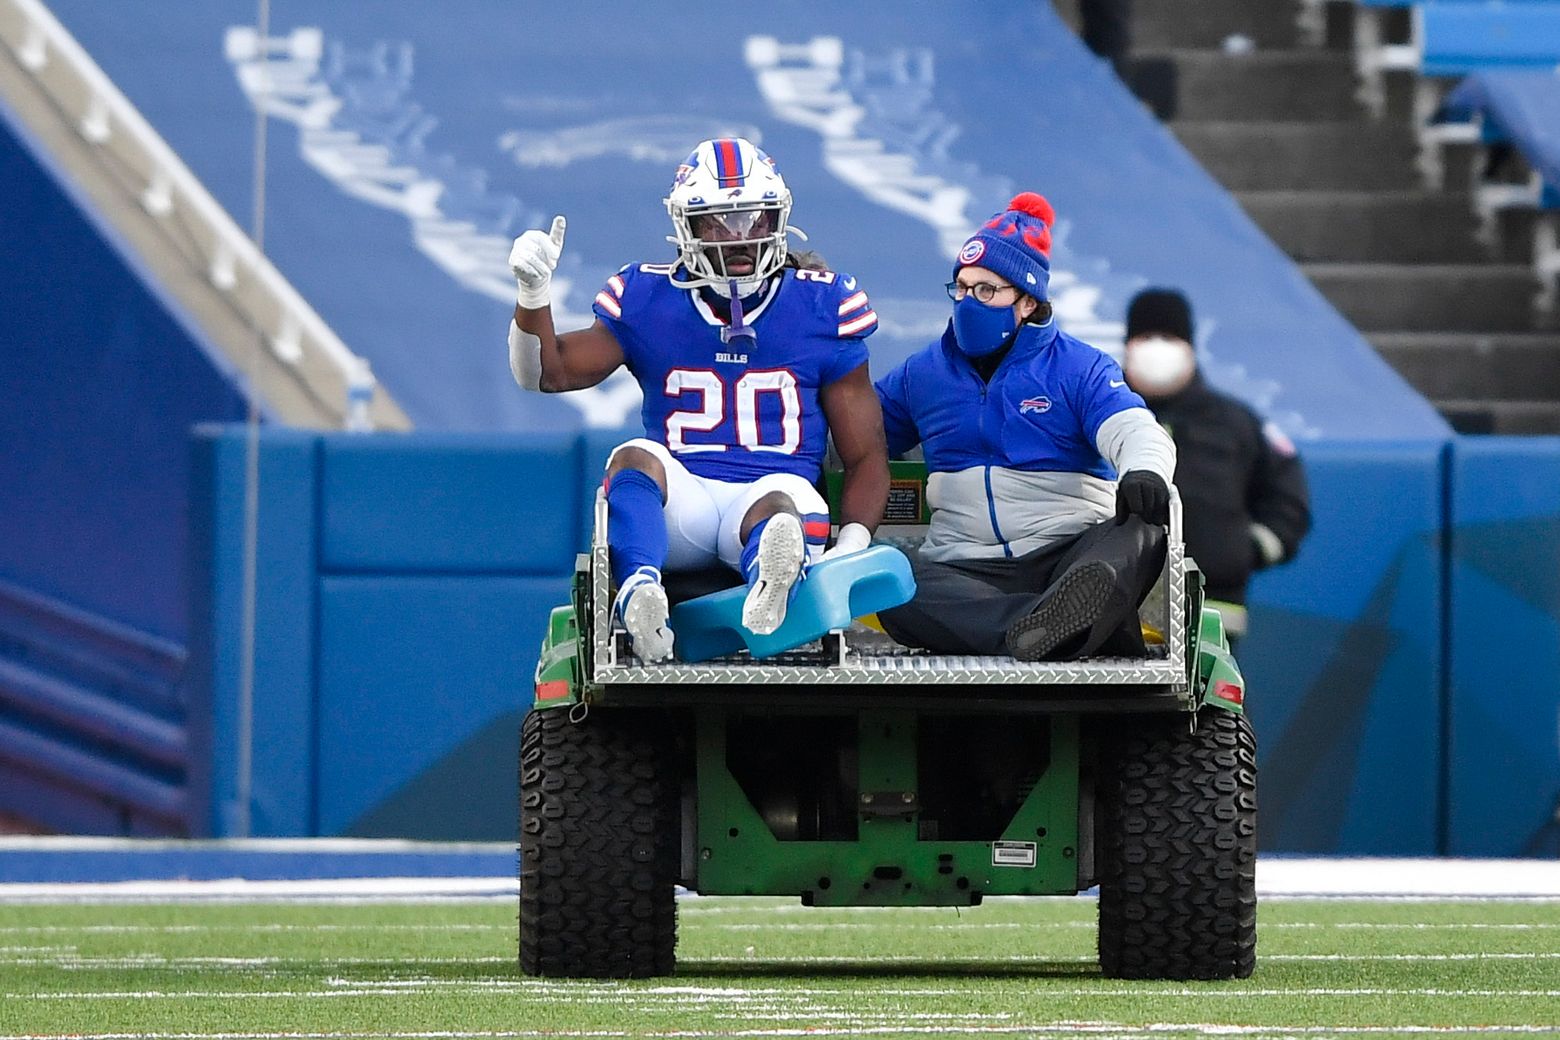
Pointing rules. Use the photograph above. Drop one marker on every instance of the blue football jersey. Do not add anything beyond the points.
(740, 410)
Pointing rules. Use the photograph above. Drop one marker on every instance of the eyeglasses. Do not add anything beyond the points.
(984, 292)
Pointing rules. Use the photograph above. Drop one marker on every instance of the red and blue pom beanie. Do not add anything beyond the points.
(1016, 244)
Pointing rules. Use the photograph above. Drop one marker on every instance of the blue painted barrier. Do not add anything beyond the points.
(286, 558)
(422, 684)
(406, 585)
(392, 701)
(1503, 709)
(88, 860)
(429, 655)
(450, 503)
(1343, 659)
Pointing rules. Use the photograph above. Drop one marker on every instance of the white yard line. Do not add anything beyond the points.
(309, 846)
(765, 926)
(174, 929)
(1037, 958)
(345, 890)
(919, 926)
(148, 960)
(1085, 925)
(140, 962)
(1032, 1032)
(1277, 877)
(746, 998)
(1422, 878)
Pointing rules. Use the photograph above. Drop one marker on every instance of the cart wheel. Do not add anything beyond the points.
(1178, 895)
(598, 845)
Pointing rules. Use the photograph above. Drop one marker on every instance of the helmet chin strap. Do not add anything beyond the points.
(738, 331)
(732, 290)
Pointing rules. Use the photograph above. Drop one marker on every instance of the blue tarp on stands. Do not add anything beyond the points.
(1520, 106)
(411, 143)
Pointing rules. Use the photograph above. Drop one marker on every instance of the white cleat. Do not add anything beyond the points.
(781, 550)
(642, 606)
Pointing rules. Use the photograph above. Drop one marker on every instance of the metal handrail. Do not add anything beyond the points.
(105, 118)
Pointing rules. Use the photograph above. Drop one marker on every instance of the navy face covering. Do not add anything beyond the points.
(980, 330)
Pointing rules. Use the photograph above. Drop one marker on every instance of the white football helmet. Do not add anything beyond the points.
(729, 207)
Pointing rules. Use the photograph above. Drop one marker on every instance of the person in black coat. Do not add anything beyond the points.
(1243, 492)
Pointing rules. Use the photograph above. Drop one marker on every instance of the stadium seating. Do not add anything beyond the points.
(1519, 109)
(1508, 56)
(1451, 38)
(408, 151)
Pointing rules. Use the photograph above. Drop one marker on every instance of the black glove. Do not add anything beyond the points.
(1143, 492)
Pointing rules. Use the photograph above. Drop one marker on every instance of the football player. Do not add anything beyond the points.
(748, 362)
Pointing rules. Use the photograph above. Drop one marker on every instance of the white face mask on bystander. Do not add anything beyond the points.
(1159, 365)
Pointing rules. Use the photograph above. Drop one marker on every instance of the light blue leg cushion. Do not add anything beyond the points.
(834, 592)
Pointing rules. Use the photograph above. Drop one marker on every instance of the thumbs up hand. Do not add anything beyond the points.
(533, 260)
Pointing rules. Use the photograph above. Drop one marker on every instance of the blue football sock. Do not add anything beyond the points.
(636, 526)
(750, 552)
(815, 528)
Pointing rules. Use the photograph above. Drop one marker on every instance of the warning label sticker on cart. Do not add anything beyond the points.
(1012, 853)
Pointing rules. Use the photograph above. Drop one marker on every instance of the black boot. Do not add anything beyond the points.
(1079, 613)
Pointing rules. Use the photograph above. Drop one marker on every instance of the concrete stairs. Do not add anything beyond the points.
(1272, 114)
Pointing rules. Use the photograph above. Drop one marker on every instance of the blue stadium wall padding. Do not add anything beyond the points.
(286, 560)
(417, 666)
(54, 860)
(1344, 661)
(451, 503)
(1504, 774)
(387, 695)
(413, 149)
(100, 378)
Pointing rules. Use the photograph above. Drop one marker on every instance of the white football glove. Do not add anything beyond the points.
(852, 539)
(533, 260)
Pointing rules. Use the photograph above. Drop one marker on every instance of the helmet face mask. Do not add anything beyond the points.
(729, 209)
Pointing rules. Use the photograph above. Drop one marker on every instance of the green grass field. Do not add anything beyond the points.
(763, 967)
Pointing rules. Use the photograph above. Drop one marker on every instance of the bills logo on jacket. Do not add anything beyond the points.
(1034, 405)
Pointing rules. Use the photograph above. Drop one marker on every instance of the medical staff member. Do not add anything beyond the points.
(1242, 485)
(1048, 478)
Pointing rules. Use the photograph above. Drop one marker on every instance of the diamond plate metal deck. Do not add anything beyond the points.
(870, 658)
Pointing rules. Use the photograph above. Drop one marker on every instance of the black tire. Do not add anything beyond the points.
(598, 846)
(1178, 840)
